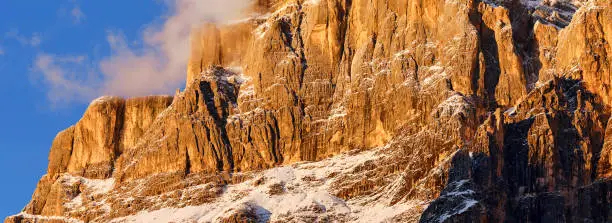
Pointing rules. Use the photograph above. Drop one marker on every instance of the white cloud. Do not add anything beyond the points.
(77, 15)
(157, 66)
(65, 78)
(35, 40)
(32, 41)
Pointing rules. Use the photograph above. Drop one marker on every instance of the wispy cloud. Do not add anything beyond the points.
(156, 66)
(32, 41)
(67, 78)
(77, 15)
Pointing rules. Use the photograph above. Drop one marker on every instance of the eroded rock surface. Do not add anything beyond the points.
(359, 111)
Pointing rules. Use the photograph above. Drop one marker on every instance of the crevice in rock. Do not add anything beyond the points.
(117, 137)
(488, 48)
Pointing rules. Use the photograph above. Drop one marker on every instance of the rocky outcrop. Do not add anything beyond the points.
(328, 86)
(504, 78)
(604, 166)
(443, 111)
(584, 48)
(89, 149)
(550, 144)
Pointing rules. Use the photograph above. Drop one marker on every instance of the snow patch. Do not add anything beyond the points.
(466, 205)
(102, 99)
(312, 2)
(455, 105)
(510, 111)
(98, 187)
(306, 191)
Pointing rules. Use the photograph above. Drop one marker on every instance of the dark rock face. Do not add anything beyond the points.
(459, 201)
(548, 174)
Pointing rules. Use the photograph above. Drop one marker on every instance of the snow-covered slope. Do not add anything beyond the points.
(301, 192)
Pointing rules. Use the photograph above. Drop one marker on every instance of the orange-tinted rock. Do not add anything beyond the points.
(459, 97)
(503, 65)
(584, 48)
(604, 166)
(90, 148)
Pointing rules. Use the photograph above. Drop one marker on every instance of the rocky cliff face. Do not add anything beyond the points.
(358, 111)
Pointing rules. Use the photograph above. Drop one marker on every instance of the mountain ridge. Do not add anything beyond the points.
(430, 111)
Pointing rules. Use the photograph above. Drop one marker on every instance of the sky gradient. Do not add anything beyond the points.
(71, 31)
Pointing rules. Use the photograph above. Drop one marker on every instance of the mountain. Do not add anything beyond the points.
(358, 111)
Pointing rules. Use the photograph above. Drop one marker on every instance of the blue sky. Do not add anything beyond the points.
(34, 110)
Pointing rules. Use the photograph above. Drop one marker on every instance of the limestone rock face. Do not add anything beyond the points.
(96, 139)
(353, 111)
(584, 48)
(504, 73)
(605, 159)
(544, 162)
(89, 149)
